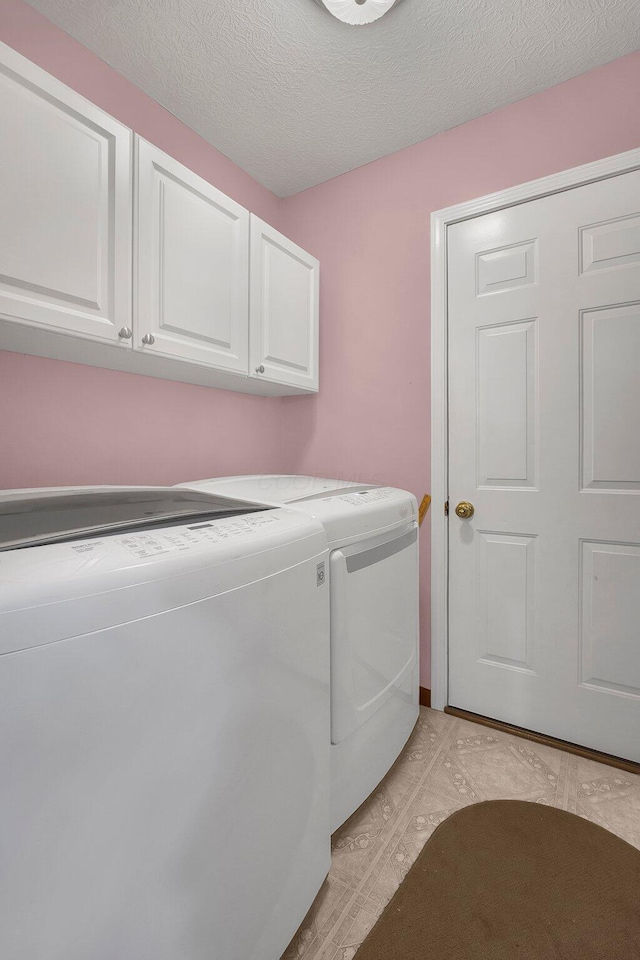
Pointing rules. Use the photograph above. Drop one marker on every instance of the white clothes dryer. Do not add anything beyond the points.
(164, 708)
(373, 542)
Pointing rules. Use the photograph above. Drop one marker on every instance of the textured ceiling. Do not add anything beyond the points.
(296, 97)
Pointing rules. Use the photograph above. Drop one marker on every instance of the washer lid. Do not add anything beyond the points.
(31, 518)
(279, 488)
(337, 492)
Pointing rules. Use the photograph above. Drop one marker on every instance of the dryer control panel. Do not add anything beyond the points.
(364, 497)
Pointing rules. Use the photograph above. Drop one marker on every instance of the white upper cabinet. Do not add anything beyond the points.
(65, 207)
(284, 310)
(114, 254)
(192, 265)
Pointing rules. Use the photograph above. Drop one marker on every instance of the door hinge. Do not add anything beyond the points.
(446, 508)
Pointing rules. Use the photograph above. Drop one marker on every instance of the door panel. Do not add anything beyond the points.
(544, 401)
(610, 616)
(506, 574)
(505, 268)
(614, 243)
(610, 342)
(506, 379)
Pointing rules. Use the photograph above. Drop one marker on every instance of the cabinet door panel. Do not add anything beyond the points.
(284, 309)
(192, 281)
(65, 206)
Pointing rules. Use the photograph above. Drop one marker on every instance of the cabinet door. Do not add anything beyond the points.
(65, 207)
(284, 309)
(192, 274)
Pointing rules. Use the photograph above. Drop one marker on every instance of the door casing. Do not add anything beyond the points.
(440, 222)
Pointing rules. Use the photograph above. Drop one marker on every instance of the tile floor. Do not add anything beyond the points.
(446, 764)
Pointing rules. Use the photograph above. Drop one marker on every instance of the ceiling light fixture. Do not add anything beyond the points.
(357, 12)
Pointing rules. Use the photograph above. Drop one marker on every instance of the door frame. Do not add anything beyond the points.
(441, 220)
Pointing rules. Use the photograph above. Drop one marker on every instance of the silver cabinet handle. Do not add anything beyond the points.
(260, 369)
(125, 333)
(149, 339)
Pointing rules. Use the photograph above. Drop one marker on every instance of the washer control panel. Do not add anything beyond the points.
(182, 539)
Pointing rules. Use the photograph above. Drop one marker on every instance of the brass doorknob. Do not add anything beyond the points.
(464, 510)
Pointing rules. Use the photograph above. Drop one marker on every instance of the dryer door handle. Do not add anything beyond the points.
(358, 561)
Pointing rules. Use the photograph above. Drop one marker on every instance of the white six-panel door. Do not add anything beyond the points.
(65, 195)
(192, 265)
(544, 415)
(284, 309)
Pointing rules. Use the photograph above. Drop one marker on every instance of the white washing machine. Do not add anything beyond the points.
(164, 708)
(373, 543)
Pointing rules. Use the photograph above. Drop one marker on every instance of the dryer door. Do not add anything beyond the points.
(374, 626)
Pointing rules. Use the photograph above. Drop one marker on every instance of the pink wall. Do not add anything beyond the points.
(63, 423)
(370, 230)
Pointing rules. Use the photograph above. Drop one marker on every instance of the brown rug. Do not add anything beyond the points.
(508, 880)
